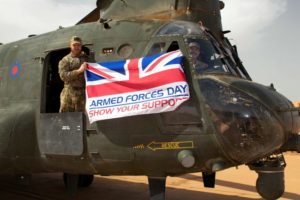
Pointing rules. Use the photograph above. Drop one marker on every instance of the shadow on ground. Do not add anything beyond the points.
(51, 186)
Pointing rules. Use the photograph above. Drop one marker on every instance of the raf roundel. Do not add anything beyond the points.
(15, 71)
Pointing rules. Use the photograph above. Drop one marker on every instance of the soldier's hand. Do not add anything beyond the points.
(82, 68)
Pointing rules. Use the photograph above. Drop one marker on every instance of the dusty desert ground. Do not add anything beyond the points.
(231, 184)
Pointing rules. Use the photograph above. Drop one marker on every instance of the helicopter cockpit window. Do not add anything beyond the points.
(204, 58)
(210, 58)
(180, 28)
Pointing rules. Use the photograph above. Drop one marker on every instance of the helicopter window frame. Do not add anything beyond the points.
(222, 57)
(191, 29)
(157, 48)
(227, 53)
(228, 58)
(162, 39)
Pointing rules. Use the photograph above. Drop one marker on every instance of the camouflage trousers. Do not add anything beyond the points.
(72, 100)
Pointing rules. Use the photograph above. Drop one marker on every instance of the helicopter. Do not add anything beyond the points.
(228, 121)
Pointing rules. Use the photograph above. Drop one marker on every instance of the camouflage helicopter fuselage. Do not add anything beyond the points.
(228, 120)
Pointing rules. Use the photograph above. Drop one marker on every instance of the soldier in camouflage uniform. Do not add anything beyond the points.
(71, 71)
(195, 51)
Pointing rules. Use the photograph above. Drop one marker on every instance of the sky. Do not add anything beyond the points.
(266, 32)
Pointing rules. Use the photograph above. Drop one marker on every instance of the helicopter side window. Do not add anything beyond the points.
(160, 46)
(204, 58)
(157, 48)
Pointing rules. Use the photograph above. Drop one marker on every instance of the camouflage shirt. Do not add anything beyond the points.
(67, 73)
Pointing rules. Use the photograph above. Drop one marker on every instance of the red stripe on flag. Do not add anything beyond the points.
(100, 73)
(133, 68)
(157, 62)
(152, 81)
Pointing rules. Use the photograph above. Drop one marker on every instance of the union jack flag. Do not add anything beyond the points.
(125, 77)
(108, 78)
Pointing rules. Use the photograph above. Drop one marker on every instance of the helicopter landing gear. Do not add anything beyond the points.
(270, 185)
(157, 188)
(209, 179)
(270, 181)
(85, 180)
(73, 181)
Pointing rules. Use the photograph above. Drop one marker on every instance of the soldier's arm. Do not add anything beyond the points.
(64, 72)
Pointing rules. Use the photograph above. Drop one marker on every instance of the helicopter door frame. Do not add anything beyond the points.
(50, 73)
(52, 85)
(188, 114)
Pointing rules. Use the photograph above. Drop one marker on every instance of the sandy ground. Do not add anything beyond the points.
(231, 184)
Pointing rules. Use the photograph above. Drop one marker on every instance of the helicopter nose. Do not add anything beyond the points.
(290, 117)
(245, 127)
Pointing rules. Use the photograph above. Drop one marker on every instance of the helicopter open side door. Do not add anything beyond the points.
(59, 133)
